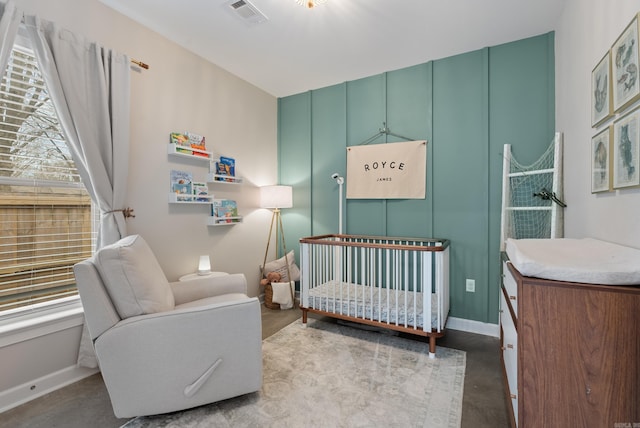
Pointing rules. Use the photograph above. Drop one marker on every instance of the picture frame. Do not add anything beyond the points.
(601, 99)
(624, 67)
(601, 161)
(626, 149)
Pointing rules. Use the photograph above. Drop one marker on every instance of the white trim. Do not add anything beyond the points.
(34, 321)
(38, 387)
(472, 326)
(36, 309)
(49, 318)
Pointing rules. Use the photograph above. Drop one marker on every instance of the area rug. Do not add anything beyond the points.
(333, 375)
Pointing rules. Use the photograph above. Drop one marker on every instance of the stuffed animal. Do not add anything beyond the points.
(271, 277)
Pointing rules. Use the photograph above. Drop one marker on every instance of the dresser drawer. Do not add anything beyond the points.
(511, 286)
(510, 353)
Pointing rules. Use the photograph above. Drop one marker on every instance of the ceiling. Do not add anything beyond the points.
(297, 49)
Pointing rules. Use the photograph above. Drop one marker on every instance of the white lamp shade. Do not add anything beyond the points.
(276, 197)
(204, 265)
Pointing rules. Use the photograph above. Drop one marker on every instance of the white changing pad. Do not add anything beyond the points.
(586, 260)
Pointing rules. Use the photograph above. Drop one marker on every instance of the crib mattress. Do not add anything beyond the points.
(363, 301)
(586, 260)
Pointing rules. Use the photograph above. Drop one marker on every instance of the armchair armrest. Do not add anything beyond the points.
(200, 288)
(152, 363)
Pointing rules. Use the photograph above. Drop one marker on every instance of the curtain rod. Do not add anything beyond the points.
(133, 61)
(140, 63)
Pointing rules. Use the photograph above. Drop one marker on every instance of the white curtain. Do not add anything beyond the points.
(89, 87)
(9, 21)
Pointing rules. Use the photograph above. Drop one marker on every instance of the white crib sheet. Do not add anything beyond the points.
(352, 299)
(586, 260)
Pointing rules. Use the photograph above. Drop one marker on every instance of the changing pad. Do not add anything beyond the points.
(585, 260)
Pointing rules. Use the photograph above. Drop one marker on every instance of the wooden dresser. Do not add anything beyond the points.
(570, 352)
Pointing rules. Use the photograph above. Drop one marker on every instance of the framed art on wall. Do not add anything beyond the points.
(624, 65)
(600, 91)
(601, 161)
(626, 145)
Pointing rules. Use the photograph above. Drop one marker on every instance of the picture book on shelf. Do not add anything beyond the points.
(181, 141)
(182, 184)
(188, 140)
(225, 166)
(197, 142)
(201, 191)
(225, 210)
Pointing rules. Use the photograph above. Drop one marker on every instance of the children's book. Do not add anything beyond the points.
(226, 166)
(225, 210)
(182, 184)
(197, 142)
(200, 191)
(181, 141)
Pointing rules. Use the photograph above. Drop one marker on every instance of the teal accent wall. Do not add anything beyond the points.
(365, 115)
(329, 117)
(460, 175)
(294, 128)
(467, 107)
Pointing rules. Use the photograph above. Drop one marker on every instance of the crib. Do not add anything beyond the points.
(400, 284)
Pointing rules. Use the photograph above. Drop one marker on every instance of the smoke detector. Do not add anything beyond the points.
(246, 11)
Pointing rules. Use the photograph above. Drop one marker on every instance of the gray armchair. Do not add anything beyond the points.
(163, 346)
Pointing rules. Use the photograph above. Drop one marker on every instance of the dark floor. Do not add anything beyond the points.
(86, 403)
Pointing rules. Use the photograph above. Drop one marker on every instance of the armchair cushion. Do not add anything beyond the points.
(200, 288)
(133, 278)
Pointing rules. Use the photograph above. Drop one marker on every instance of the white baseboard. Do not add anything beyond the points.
(38, 387)
(472, 326)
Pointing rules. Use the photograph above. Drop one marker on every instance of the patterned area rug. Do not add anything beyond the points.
(332, 375)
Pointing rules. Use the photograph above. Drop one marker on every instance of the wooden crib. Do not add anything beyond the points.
(396, 283)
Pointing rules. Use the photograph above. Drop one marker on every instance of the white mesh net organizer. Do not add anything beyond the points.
(532, 195)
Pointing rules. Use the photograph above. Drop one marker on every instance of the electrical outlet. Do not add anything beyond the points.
(471, 285)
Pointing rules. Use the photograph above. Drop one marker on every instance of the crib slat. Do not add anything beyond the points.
(379, 276)
(415, 289)
(426, 295)
(304, 280)
(388, 282)
(397, 282)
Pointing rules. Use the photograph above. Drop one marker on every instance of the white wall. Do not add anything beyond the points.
(183, 92)
(180, 92)
(585, 32)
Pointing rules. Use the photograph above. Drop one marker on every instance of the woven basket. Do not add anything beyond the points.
(268, 298)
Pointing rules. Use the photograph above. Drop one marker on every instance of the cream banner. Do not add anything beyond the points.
(387, 171)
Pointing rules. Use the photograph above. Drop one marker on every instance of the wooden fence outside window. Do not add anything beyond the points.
(43, 233)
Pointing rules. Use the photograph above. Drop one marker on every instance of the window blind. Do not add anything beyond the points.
(46, 216)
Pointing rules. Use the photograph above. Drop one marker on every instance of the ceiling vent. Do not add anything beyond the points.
(246, 11)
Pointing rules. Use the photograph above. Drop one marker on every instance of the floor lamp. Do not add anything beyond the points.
(275, 198)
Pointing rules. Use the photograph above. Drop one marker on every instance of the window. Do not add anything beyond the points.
(47, 222)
